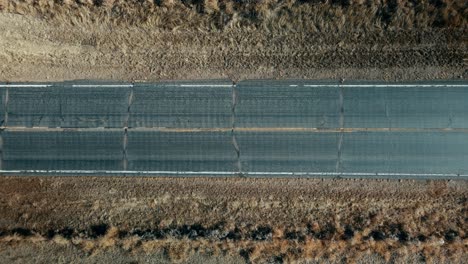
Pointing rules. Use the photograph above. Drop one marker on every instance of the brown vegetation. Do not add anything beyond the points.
(272, 15)
(275, 251)
(256, 219)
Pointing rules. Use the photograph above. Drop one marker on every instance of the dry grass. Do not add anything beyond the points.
(259, 220)
(49, 252)
(273, 251)
(270, 15)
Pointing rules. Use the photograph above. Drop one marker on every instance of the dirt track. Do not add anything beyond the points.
(258, 220)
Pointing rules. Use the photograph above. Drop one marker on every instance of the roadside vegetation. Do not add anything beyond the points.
(269, 15)
(251, 220)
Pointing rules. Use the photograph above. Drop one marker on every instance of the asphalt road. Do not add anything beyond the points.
(253, 128)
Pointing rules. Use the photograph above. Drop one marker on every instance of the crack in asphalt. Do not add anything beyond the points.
(233, 128)
(6, 99)
(341, 123)
(125, 137)
(4, 124)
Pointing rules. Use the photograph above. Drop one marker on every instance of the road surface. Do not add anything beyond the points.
(252, 128)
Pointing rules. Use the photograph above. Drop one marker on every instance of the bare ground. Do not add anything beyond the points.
(199, 220)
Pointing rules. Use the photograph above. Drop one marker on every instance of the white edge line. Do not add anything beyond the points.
(102, 85)
(205, 85)
(235, 173)
(386, 85)
(231, 85)
(25, 85)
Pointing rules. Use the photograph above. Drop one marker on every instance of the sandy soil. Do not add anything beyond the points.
(128, 220)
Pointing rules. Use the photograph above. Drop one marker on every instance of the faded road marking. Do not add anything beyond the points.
(263, 173)
(387, 85)
(26, 85)
(236, 129)
(103, 85)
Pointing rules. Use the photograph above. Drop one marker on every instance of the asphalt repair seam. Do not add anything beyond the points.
(125, 137)
(4, 124)
(341, 123)
(7, 97)
(233, 128)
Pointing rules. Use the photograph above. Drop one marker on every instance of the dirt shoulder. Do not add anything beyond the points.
(141, 40)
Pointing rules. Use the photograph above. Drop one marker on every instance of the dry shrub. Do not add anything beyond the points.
(60, 240)
(437, 188)
(276, 250)
(3, 4)
(107, 3)
(86, 2)
(228, 7)
(167, 3)
(210, 6)
(110, 239)
(130, 243)
(11, 239)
